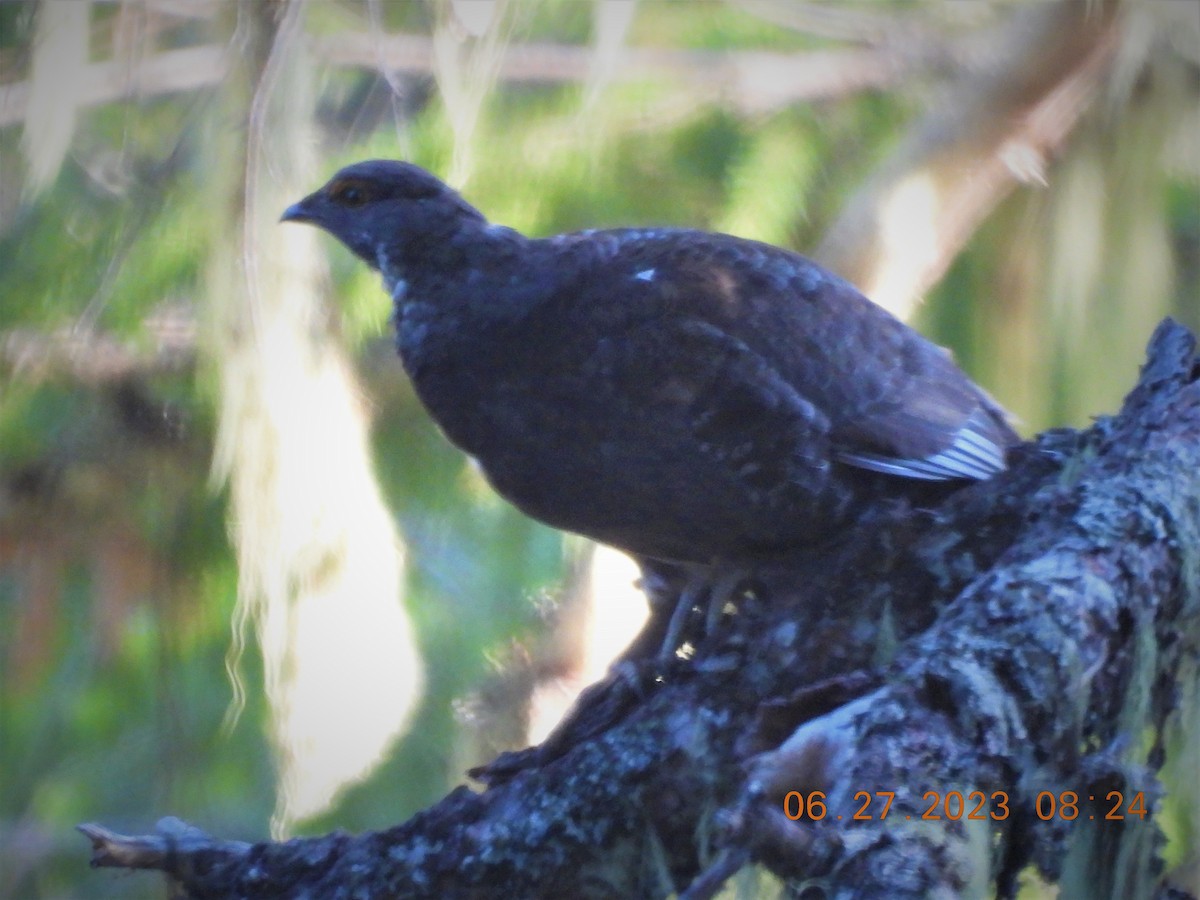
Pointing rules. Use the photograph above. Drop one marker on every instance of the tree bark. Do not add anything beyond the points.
(1016, 643)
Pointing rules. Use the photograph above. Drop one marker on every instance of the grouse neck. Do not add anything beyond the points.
(471, 255)
(451, 305)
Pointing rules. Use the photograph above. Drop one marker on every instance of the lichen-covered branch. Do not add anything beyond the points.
(1013, 644)
(1036, 680)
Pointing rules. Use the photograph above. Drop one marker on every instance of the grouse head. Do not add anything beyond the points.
(386, 211)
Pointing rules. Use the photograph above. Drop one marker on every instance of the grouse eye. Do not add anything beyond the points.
(349, 193)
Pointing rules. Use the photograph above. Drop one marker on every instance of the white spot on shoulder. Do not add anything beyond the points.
(645, 275)
(633, 235)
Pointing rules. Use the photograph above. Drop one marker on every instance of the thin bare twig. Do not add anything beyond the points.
(749, 80)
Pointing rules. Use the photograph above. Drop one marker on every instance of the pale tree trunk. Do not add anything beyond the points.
(320, 563)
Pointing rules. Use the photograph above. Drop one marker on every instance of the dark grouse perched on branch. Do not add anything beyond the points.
(681, 395)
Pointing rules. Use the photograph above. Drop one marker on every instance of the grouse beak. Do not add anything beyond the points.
(297, 212)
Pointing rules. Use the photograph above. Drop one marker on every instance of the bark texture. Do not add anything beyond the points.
(1033, 635)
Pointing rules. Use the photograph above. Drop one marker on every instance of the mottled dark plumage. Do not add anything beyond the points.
(682, 395)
